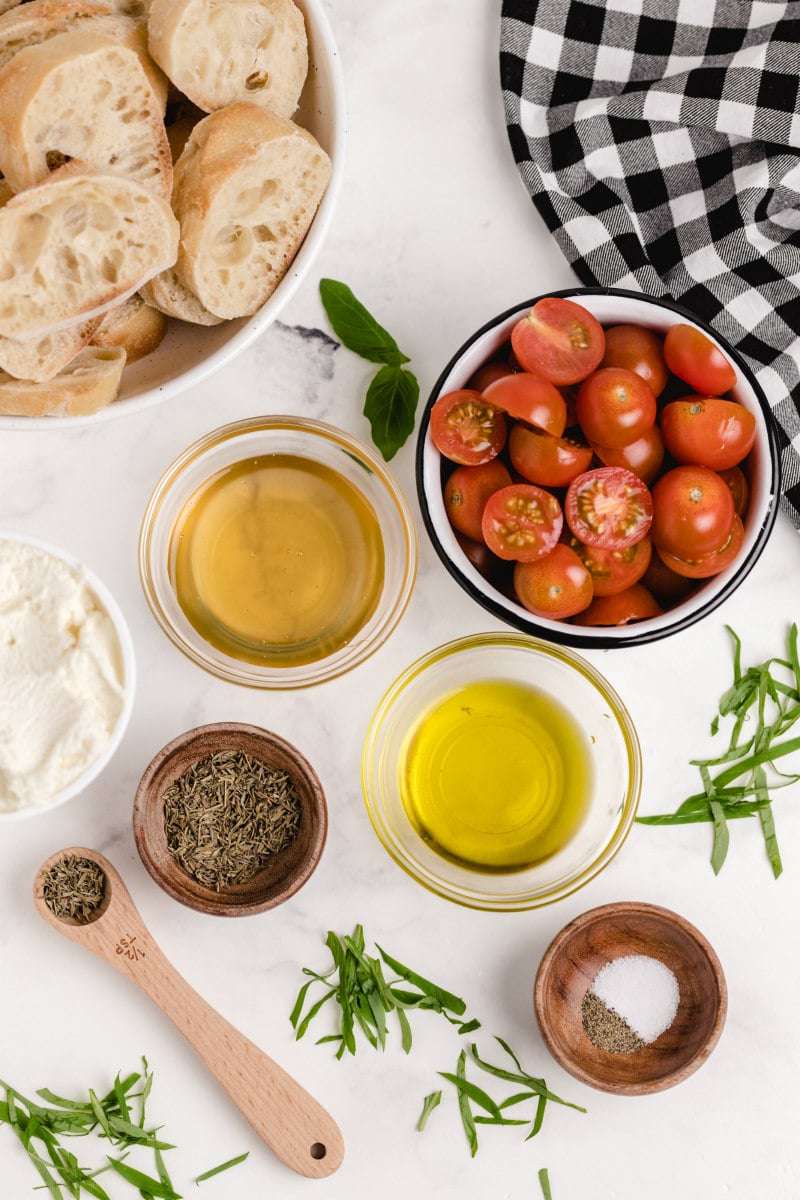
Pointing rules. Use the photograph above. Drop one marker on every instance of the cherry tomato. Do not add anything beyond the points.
(639, 350)
(466, 428)
(529, 398)
(708, 432)
(544, 459)
(695, 359)
(557, 585)
(487, 374)
(666, 585)
(693, 512)
(466, 493)
(609, 507)
(740, 488)
(496, 572)
(634, 604)
(522, 523)
(615, 407)
(706, 565)
(644, 456)
(613, 571)
(559, 340)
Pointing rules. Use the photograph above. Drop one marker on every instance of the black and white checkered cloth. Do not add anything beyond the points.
(660, 142)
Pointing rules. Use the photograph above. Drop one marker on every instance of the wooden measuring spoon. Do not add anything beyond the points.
(290, 1121)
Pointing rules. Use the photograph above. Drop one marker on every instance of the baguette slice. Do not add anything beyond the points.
(89, 383)
(171, 297)
(36, 21)
(134, 326)
(86, 97)
(247, 186)
(41, 360)
(218, 53)
(75, 246)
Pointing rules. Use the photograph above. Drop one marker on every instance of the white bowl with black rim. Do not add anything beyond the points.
(611, 307)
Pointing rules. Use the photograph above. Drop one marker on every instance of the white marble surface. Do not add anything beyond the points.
(435, 233)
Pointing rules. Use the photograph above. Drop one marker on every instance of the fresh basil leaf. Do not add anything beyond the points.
(355, 326)
(390, 408)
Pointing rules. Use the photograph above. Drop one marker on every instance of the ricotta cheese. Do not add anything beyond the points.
(61, 675)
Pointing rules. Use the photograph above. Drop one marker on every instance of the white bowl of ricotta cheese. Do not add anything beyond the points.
(67, 676)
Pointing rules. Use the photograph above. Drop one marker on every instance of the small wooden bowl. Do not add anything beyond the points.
(286, 871)
(573, 961)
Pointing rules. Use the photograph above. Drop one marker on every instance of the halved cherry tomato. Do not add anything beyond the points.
(613, 571)
(609, 507)
(487, 374)
(615, 407)
(634, 604)
(544, 459)
(639, 350)
(695, 359)
(529, 398)
(557, 585)
(707, 565)
(708, 432)
(467, 429)
(740, 488)
(522, 523)
(644, 456)
(693, 512)
(559, 340)
(466, 493)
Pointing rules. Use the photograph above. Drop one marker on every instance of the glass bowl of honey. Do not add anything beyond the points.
(501, 772)
(277, 552)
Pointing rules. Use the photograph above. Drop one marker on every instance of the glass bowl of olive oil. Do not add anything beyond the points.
(501, 772)
(277, 552)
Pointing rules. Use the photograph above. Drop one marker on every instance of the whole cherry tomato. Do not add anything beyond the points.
(615, 407)
(544, 459)
(639, 350)
(740, 488)
(693, 513)
(706, 565)
(487, 374)
(695, 359)
(557, 585)
(608, 507)
(644, 456)
(707, 432)
(466, 428)
(531, 399)
(522, 522)
(559, 340)
(634, 604)
(466, 493)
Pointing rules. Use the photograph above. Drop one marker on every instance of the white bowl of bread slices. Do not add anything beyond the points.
(168, 172)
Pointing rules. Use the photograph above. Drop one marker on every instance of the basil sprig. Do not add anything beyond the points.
(391, 401)
(764, 701)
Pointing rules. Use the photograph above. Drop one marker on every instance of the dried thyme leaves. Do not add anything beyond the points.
(227, 815)
(74, 887)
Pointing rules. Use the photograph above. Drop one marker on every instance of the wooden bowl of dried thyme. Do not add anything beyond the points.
(630, 998)
(230, 819)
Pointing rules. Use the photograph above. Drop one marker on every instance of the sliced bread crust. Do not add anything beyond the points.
(218, 53)
(89, 383)
(41, 360)
(75, 246)
(85, 97)
(247, 186)
(135, 326)
(170, 296)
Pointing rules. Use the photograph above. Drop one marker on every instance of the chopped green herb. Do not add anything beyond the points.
(393, 394)
(768, 697)
(232, 1162)
(365, 997)
(544, 1183)
(428, 1105)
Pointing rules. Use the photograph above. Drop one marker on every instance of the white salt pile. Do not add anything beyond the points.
(641, 990)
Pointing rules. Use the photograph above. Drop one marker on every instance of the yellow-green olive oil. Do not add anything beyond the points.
(277, 560)
(496, 776)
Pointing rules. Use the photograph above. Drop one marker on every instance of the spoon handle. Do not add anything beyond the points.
(291, 1122)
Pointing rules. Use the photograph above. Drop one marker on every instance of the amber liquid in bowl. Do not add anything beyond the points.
(496, 776)
(277, 560)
